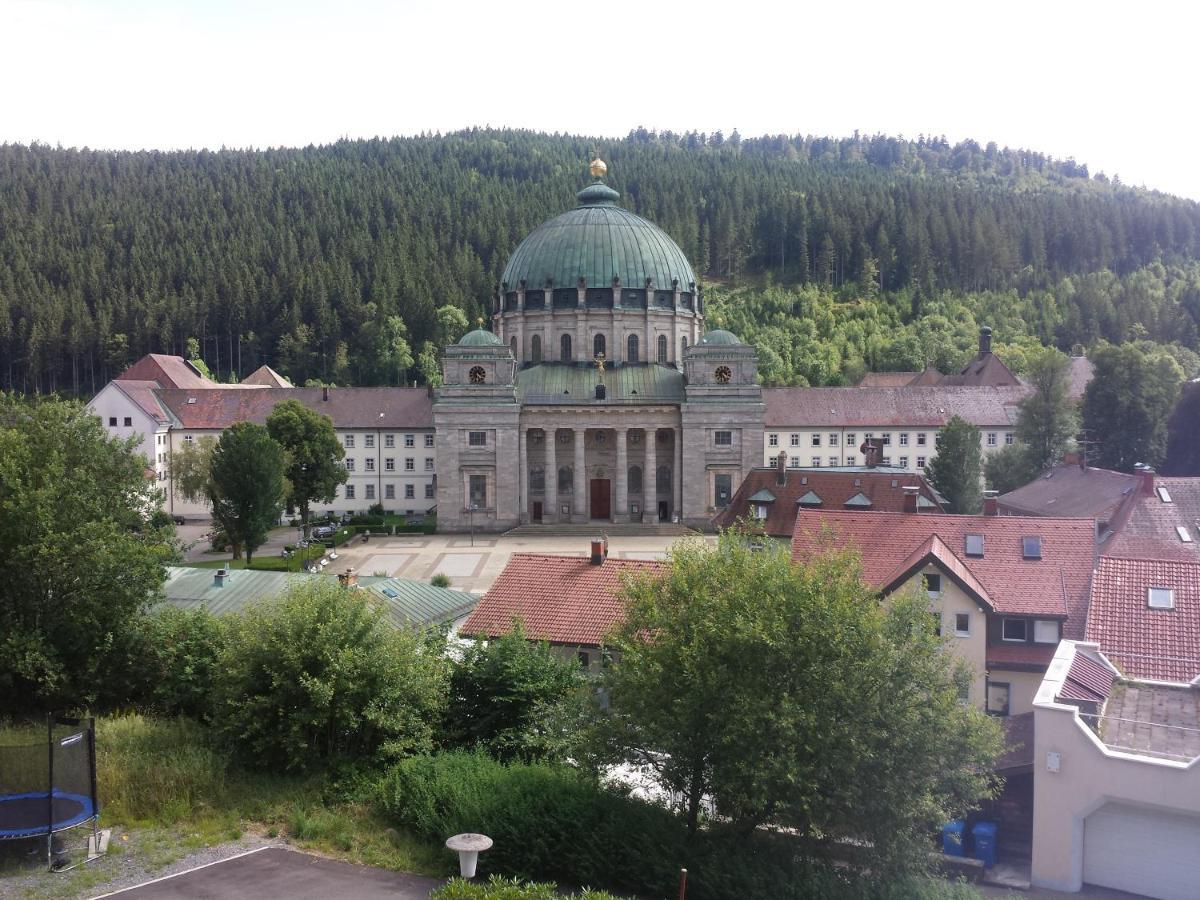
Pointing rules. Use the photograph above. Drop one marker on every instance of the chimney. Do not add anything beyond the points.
(991, 506)
(781, 465)
(1145, 475)
(348, 579)
(911, 492)
(325, 393)
(985, 340)
(220, 577)
(872, 451)
(1073, 458)
(599, 550)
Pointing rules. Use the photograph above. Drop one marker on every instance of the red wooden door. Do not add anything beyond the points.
(600, 507)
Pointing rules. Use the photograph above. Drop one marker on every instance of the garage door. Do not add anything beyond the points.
(1142, 851)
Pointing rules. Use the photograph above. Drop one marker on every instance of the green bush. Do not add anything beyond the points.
(179, 650)
(498, 888)
(318, 674)
(440, 580)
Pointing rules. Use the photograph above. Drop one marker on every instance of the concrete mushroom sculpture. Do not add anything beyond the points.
(468, 846)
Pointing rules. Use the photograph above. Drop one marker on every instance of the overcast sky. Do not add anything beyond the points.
(1111, 84)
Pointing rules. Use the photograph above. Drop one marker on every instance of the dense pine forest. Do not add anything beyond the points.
(833, 256)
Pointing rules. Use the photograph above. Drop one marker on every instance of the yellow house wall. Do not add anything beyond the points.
(972, 647)
(1022, 688)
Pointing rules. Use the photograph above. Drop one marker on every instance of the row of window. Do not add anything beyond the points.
(389, 464)
(389, 440)
(833, 437)
(566, 351)
(389, 492)
(128, 421)
(566, 479)
(815, 462)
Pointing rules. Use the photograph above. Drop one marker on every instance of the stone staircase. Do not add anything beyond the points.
(612, 529)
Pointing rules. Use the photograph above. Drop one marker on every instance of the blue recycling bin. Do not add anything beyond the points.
(952, 837)
(985, 842)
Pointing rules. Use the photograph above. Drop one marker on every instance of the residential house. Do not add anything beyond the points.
(1072, 488)
(773, 496)
(571, 602)
(1161, 520)
(1004, 589)
(1116, 777)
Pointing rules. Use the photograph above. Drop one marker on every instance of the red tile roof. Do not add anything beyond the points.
(888, 379)
(880, 407)
(560, 599)
(265, 376)
(883, 487)
(1068, 490)
(894, 545)
(1086, 680)
(1160, 644)
(1147, 526)
(364, 407)
(168, 371)
(984, 369)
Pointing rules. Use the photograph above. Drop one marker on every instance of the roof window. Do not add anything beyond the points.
(804, 480)
(191, 400)
(1031, 547)
(1160, 598)
(1184, 534)
(974, 545)
(1162, 494)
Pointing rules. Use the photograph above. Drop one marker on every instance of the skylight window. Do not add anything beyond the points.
(1031, 547)
(1184, 534)
(1160, 598)
(1162, 494)
(974, 545)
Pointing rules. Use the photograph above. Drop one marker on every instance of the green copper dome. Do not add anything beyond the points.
(718, 336)
(480, 338)
(598, 240)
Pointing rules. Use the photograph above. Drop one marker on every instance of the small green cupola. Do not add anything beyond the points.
(480, 337)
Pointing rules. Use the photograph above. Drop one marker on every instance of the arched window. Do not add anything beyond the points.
(635, 479)
(598, 345)
(535, 348)
(565, 352)
(565, 478)
(512, 345)
(631, 354)
(683, 346)
(662, 349)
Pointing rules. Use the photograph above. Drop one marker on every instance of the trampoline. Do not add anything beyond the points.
(50, 787)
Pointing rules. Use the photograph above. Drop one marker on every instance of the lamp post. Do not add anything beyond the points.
(471, 515)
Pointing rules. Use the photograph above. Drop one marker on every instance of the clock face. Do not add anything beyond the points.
(477, 375)
(723, 375)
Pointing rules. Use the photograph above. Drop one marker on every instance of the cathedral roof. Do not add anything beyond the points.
(598, 241)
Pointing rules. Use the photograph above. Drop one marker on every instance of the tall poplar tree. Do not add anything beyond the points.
(957, 468)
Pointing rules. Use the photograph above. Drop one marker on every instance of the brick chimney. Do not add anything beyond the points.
(911, 492)
(781, 465)
(1073, 458)
(348, 579)
(325, 393)
(985, 340)
(991, 506)
(1145, 476)
(872, 451)
(599, 550)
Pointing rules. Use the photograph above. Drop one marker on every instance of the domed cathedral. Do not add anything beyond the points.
(597, 396)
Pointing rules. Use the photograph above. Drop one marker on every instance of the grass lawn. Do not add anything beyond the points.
(166, 791)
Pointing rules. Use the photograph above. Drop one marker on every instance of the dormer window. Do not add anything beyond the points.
(1162, 494)
(1160, 598)
(1184, 534)
(974, 545)
(1031, 547)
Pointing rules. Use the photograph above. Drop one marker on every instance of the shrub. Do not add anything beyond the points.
(319, 674)
(180, 648)
(498, 888)
(440, 580)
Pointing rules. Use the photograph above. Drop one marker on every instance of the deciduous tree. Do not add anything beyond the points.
(1183, 433)
(957, 468)
(247, 485)
(1047, 420)
(314, 454)
(1126, 405)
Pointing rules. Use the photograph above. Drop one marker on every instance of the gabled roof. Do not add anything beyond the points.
(142, 393)
(887, 407)
(1148, 526)
(892, 544)
(859, 500)
(167, 371)
(832, 488)
(265, 376)
(887, 379)
(765, 496)
(560, 599)
(363, 407)
(1161, 644)
(985, 368)
(1071, 490)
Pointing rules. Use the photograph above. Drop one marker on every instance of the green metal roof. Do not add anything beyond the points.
(479, 338)
(718, 336)
(559, 383)
(414, 603)
(763, 496)
(810, 499)
(597, 241)
(859, 499)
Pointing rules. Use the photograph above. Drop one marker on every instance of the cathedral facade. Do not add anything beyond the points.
(597, 395)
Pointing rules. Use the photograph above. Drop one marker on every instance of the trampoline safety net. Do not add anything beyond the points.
(49, 786)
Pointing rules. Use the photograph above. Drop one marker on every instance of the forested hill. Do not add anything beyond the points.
(304, 258)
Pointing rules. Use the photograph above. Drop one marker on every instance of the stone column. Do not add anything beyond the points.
(677, 476)
(650, 478)
(579, 505)
(621, 508)
(523, 465)
(550, 481)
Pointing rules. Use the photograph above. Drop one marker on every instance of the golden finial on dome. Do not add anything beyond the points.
(598, 167)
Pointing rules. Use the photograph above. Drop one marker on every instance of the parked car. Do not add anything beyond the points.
(323, 531)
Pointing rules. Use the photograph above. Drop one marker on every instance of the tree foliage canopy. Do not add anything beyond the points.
(80, 551)
(957, 468)
(1127, 403)
(246, 485)
(313, 454)
(791, 696)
